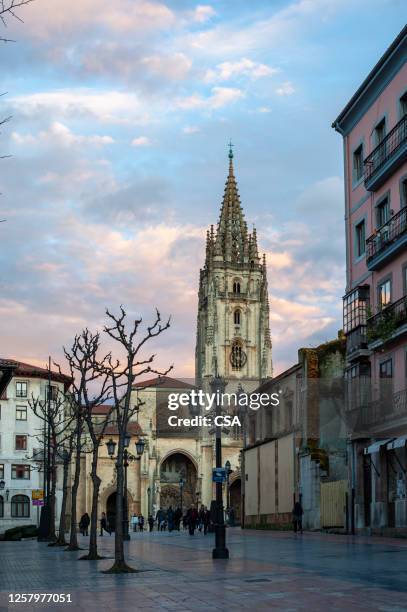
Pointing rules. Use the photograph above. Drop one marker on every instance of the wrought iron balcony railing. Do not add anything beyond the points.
(387, 149)
(385, 241)
(385, 323)
(390, 407)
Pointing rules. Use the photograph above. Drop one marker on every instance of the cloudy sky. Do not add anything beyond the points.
(121, 115)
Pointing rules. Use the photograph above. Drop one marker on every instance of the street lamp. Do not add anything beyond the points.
(228, 471)
(149, 500)
(181, 488)
(218, 385)
(111, 447)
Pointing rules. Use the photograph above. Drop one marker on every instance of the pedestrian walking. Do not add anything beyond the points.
(103, 525)
(134, 521)
(192, 516)
(141, 522)
(177, 518)
(206, 520)
(84, 524)
(151, 522)
(297, 517)
(170, 518)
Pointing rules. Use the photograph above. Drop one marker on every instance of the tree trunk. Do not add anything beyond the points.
(120, 566)
(52, 534)
(62, 518)
(73, 538)
(93, 546)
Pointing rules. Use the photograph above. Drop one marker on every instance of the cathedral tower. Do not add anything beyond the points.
(233, 334)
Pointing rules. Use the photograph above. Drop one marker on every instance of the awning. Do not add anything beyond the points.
(397, 443)
(376, 446)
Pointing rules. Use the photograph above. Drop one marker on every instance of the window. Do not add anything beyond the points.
(20, 472)
(238, 357)
(52, 393)
(21, 413)
(382, 212)
(386, 379)
(380, 132)
(21, 389)
(360, 239)
(403, 104)
(403, 193)
(1, 471)
(384, 294)
(1, 506)
(354, 308)
(21, 442)
(20, 506)
(358, 163)
(236, 317)
(236, 287)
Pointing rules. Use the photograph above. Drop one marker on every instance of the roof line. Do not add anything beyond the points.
(389, 51)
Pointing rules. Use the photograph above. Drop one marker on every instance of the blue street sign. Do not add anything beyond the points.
(219, 474)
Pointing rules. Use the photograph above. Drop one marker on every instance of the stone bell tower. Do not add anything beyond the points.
(233, 333)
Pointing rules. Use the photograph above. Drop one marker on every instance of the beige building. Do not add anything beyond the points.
(170, 454)
(297, 450)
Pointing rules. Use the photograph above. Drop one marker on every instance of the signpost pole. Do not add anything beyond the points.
(220, 551)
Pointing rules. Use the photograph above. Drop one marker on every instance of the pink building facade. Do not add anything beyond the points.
(374, 129)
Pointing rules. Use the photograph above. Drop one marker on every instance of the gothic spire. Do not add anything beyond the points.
(231, 235)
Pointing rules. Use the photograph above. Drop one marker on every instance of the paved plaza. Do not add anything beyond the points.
(266, 571)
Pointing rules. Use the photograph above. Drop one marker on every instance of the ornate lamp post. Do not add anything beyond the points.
(111, 447)
(228, 471)
(149, 500)
(220, 551)
(181, 488)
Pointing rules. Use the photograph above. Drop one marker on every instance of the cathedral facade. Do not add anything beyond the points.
(232, 340)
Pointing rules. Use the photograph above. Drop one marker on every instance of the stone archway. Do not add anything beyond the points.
(111, 511)
(109, 506)
(177, 465)
(235, 496)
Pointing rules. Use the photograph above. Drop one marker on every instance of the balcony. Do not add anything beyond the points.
(388, 324)
(389, 240)
(379, 414)
(386, 157)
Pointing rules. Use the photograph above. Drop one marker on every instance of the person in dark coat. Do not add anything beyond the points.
(297, 517)
(104, 525)
(206, 520)
(192, 516)
(170, 518)
(151, 522)
(84, 524)
(177, 518)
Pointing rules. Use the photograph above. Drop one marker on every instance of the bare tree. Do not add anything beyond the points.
(67, 452)
(79, 442)
(122, 377)
(52, 411)
(89, 371)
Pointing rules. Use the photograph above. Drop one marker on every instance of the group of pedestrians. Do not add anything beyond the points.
(192, 520)
(137, 522)
(172, 519)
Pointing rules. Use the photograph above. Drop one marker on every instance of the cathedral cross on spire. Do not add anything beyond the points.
(230, 149)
